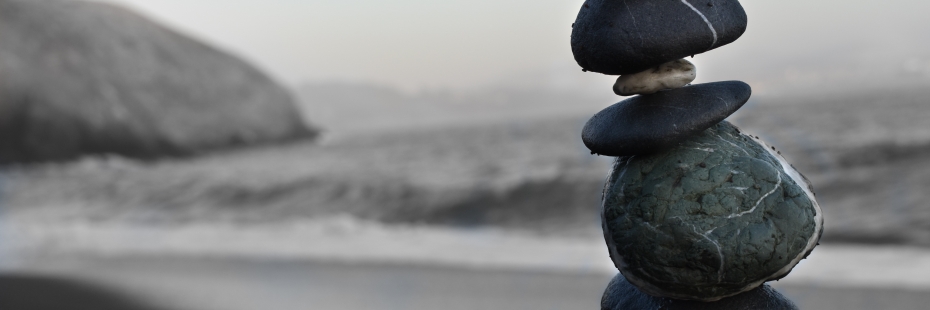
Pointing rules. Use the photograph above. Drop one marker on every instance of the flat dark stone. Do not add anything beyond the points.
(621, 295)
(650, 123)
(627, 36)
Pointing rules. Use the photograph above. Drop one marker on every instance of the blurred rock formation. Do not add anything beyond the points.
(80, 78)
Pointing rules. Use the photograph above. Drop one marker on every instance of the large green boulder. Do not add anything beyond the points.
(717, 215)
(81, 78)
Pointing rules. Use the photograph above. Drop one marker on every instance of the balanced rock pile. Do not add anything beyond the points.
(696, 214)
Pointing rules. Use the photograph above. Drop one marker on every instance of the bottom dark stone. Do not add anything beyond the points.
(621, 295)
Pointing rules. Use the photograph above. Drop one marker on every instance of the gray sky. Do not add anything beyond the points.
(460, 45)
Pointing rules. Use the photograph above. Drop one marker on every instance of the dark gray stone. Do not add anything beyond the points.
(82, 78)
(716, 216)
(627, 36)
(651, 123)
(621, 295)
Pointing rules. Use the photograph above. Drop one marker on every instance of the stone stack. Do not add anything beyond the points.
(696, 214)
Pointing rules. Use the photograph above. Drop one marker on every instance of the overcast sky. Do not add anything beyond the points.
(460, 45)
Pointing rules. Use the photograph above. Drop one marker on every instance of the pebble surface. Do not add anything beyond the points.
(670, 75)
(619, 37)
(716, 216)
(650, 123)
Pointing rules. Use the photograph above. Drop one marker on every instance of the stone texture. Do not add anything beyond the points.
(651, 123)
(670, 75)
(627, 36)
(87, 78)
(621, 295)
(716, 216)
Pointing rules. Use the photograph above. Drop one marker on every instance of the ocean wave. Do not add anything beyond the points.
(527, 175)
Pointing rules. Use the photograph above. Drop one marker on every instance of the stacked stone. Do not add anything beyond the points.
(696, 214)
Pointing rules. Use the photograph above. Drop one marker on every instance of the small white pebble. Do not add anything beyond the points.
(670, 75)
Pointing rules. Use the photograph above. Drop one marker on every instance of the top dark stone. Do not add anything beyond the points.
(651, 123)
(622, 37)
(620, 294)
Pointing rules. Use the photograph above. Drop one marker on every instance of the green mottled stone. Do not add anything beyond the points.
(718, 215)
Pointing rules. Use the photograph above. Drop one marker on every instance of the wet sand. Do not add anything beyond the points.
(186, 283)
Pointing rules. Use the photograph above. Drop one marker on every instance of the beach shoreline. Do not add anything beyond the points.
(345, 240)
(233, 283)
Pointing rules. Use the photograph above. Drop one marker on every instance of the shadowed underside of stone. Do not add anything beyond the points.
(627, 36)
(713, 217)
(651, 123)
(621, 295)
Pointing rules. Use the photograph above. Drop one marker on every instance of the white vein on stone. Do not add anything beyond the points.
(731, 143)
(709, 150)
(622, 173)
(652, 227)
(717, 12)
(642, 41)
(670, 107)
(709, 25)
(804, 185)
(706, 235)
(720, 253)
(777, 185)
(725, 102)
(618, 259)
(611, 178)
(795, 176)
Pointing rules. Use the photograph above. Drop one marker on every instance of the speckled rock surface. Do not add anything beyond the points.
(622, 37)
(716, 216)
(621, 295)
(651, 123)
(669, 75)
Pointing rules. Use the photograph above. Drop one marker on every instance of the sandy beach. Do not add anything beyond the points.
(232, 284)
(340, 264)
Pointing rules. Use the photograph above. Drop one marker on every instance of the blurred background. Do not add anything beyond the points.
(412, 154)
